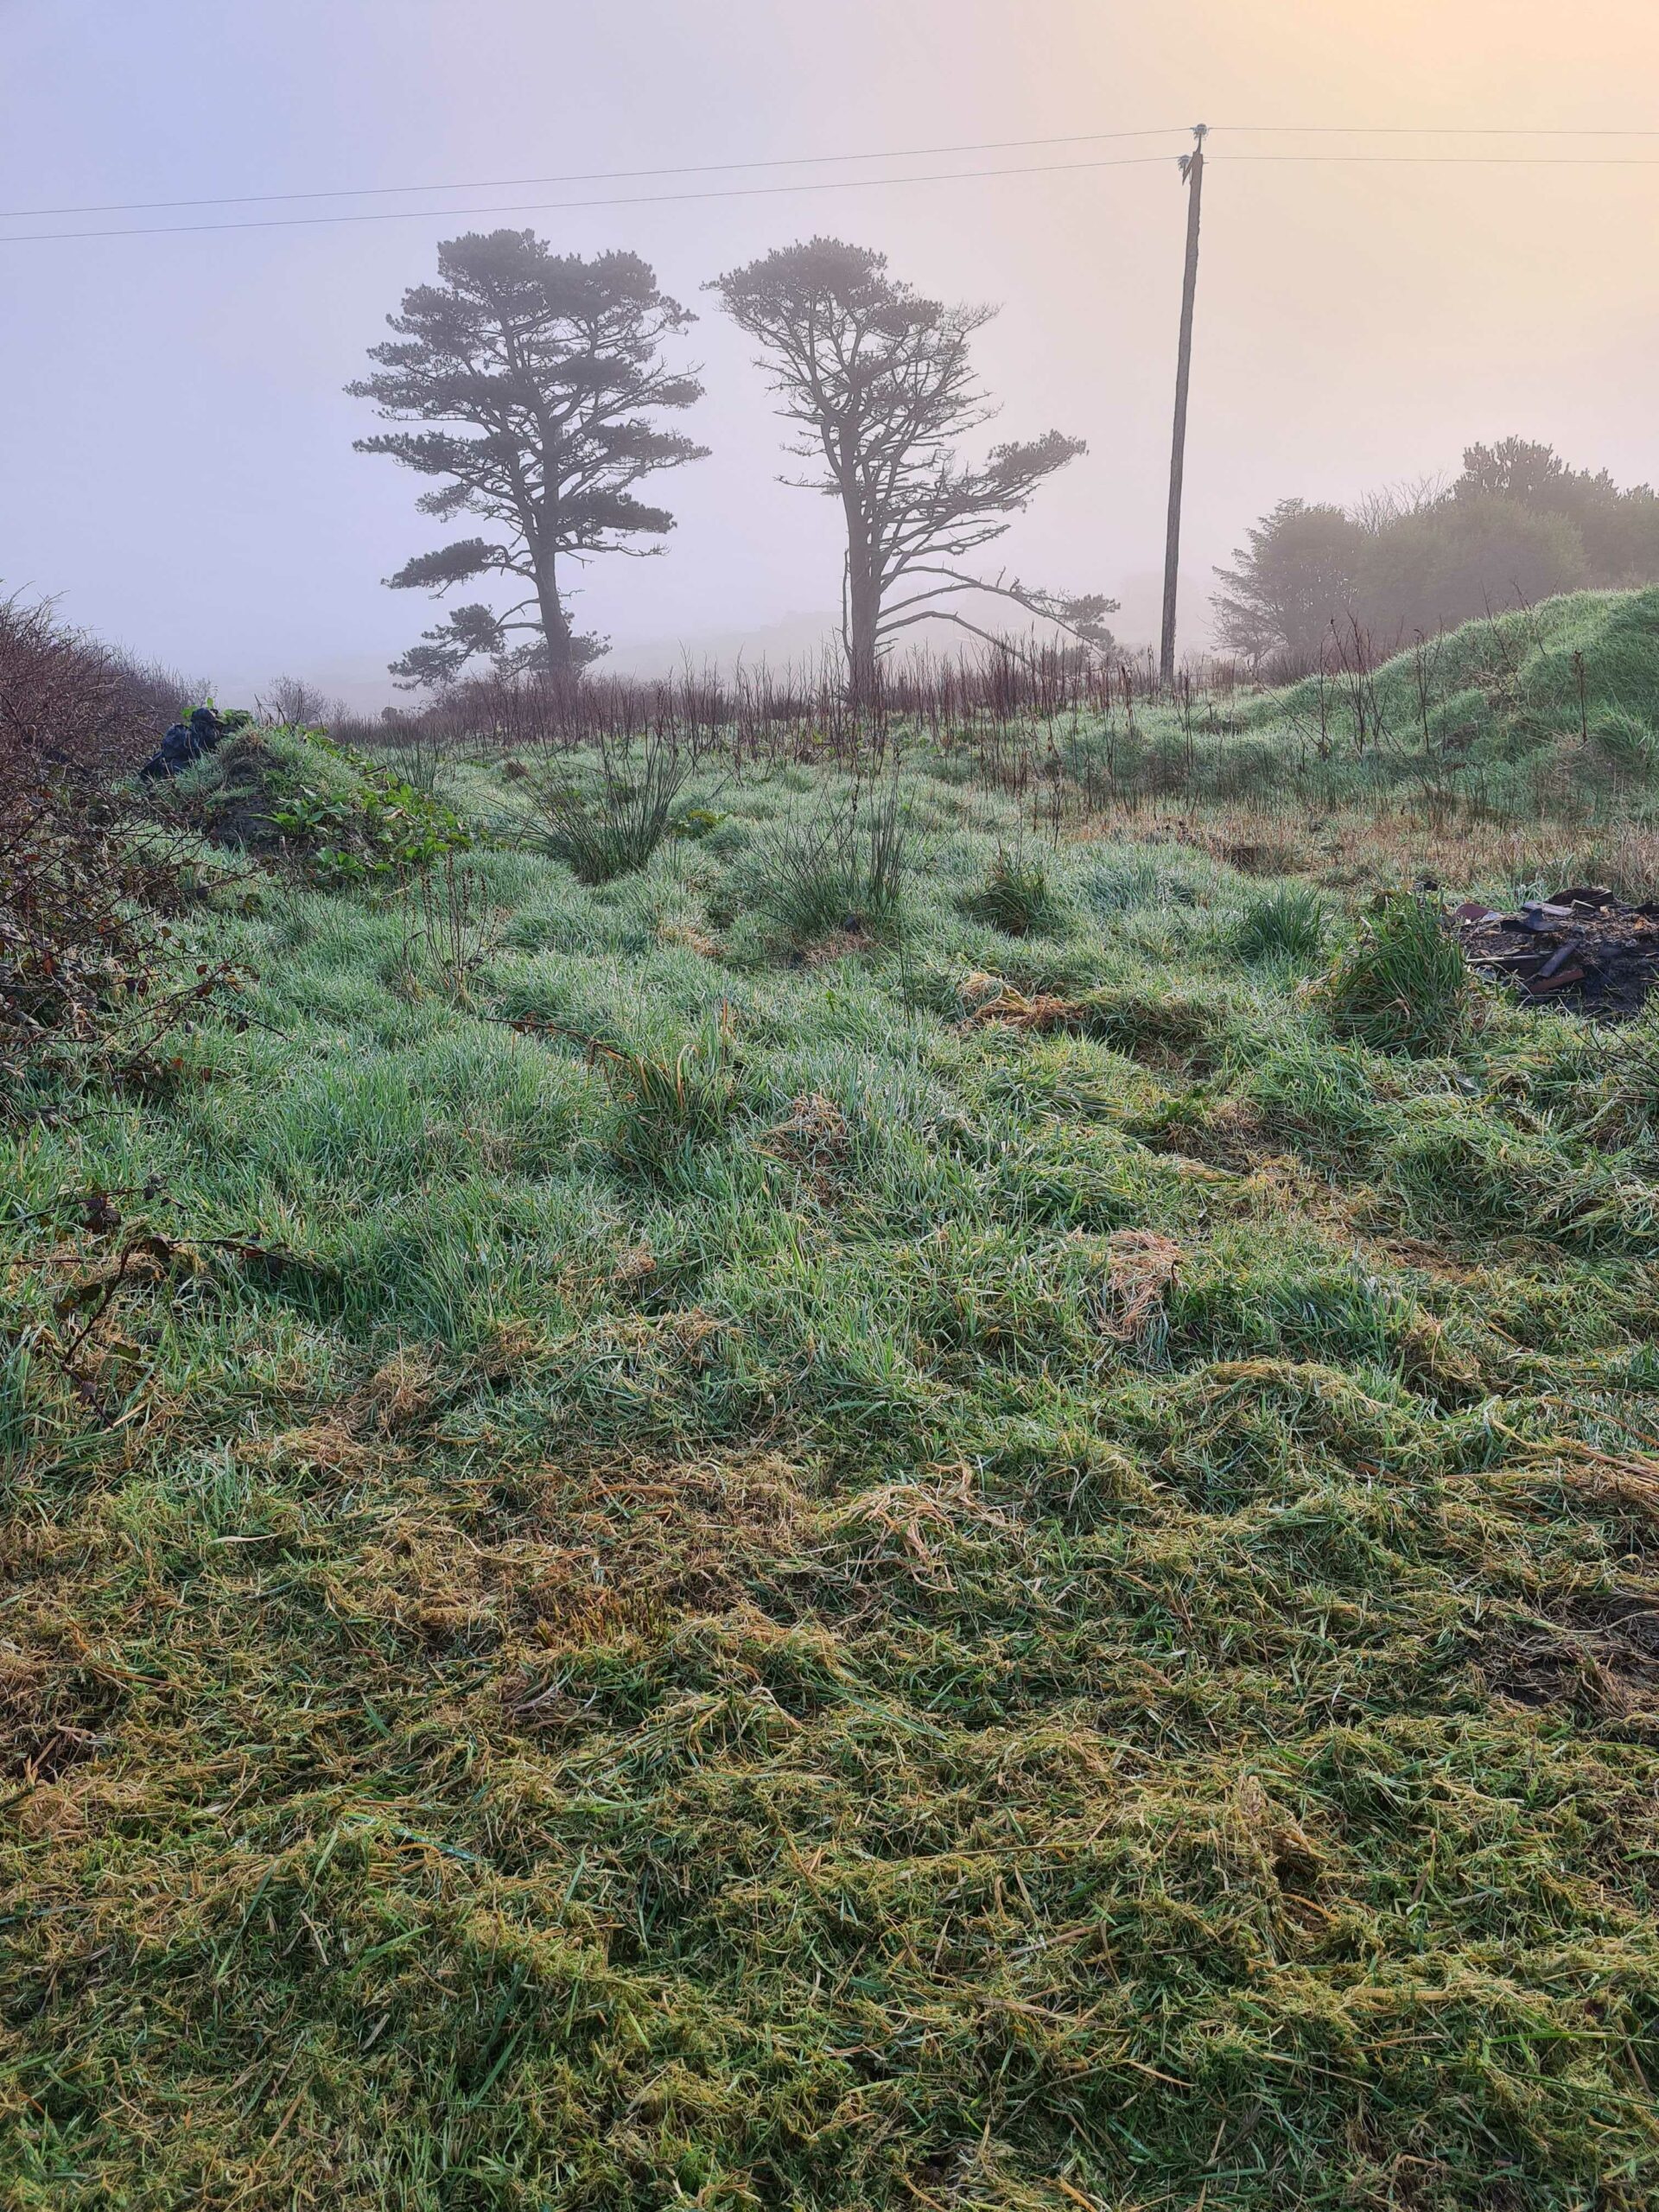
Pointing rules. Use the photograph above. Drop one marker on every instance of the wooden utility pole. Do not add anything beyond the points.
(1192, 175)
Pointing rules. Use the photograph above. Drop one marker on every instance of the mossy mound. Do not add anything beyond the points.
(1586, 664)
(337, 815)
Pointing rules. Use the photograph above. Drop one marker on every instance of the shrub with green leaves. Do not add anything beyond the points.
(1287, 925)
(1403, 985)
(337, 817)
(1015, 897)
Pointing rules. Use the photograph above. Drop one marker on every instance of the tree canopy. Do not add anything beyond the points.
(1297, 567)
(880, 379)
(1516, 526)
(539, 375)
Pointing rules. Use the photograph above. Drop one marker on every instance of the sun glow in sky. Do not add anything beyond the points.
(176, 459)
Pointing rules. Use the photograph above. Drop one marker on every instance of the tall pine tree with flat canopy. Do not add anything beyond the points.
(880, 381)
(540, 375)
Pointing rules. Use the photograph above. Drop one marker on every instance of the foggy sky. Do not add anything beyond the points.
(175, 457)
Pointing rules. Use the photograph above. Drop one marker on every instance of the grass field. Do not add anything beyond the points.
(665, 1546)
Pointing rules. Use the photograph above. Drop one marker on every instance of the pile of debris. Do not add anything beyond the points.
(1580, 948)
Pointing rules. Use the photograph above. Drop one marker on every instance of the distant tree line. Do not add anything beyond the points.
(1515, 526)
(538, 384)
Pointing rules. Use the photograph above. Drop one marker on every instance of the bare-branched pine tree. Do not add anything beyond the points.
(540, 373)
(881, 382)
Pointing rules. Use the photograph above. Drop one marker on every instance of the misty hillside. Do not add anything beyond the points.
(1584, 666)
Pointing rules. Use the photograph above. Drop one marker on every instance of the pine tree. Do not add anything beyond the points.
(880, 381)
(539, 375)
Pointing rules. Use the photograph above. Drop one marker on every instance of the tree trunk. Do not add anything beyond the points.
(556, 624)
(863, 607)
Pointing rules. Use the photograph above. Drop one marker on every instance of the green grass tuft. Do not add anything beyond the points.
(669, 1105)
(1015, 897)
(1288, 923)
(1403, 985)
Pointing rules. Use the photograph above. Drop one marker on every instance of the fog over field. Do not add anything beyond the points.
(788, 1426)
(177, 444)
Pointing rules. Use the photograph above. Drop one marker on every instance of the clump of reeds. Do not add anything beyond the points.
(839, 871)
(608, 824)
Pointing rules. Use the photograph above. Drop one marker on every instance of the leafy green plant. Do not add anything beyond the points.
(385, 829)
(1402, 986)
(1015, 897)
(1288, 924)
(338, 817)
(231, 720)
(611, 825)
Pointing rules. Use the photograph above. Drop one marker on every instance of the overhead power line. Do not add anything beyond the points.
(1435, 131)
(1467, 160)
(822, 184)
(587, 177)
(625, 200)
(820, 161)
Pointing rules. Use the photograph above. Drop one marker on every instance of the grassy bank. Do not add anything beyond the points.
(668, 1546)
(1544, 713)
